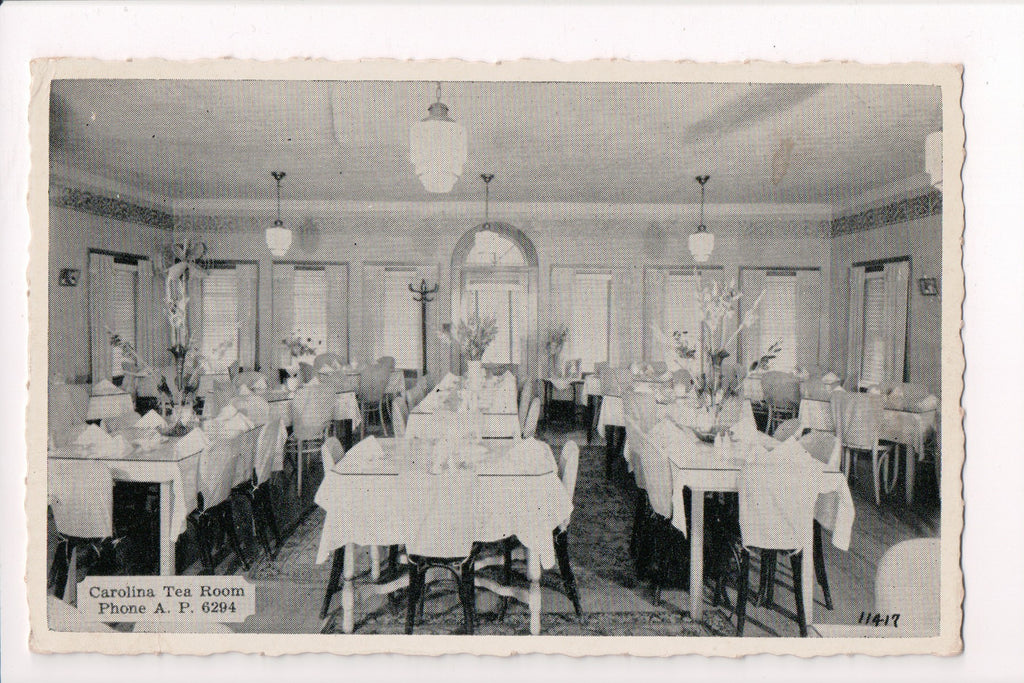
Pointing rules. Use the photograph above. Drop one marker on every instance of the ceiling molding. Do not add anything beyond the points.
(109, 207)
(536, 210)
(69, 176)
(899, 211)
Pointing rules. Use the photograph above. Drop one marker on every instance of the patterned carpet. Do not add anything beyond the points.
(614, 601)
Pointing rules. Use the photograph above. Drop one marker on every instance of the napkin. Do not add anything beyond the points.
(830, 378)
(226, 413)
(115, 447)
(193, 442)
(244, 391)
(260, 383)
(315, 380)
(104, 388)
(92, 436)
(643, 389)
(151, 420)
(929, 403)
(367, 450)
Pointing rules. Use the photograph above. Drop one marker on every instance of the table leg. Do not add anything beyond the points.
(697, 554)
(346, 434)
(808, 578)
(348, 590)
(911, 457)
(166, 542)
(533, 571)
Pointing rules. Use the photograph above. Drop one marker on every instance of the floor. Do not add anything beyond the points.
(290, 587)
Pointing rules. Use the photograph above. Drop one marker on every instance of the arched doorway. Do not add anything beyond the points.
(494, 272)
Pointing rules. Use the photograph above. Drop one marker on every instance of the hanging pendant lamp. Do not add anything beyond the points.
(437, 146)
(279, 238)
(702, 242)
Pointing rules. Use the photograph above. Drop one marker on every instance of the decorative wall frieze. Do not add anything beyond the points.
(899, 211)
(109, 207)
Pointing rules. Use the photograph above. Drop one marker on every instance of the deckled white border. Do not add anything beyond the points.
(985, 39)
(947, 77)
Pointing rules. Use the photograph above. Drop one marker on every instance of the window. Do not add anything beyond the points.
(123, 313)
(681, 311)
(778, 318)
(402, 320)
(311, 307)
(590, 334)
(506, 301)
(220, 318)
(872, 369)
(492, 249)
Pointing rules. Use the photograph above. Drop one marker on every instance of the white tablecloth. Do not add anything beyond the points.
(346, 407)
(898, 426)
(499, 416)
(384, 502)
(109, 405)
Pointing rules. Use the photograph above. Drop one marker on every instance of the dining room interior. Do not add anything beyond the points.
(500, 357)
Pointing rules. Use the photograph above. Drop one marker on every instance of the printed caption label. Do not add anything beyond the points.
(166, 598)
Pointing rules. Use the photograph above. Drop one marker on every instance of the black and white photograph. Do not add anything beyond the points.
(651, 357)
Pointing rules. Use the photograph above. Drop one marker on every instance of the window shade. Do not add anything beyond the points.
(778, 319)
(590, 333)
(402, 339)
(220, 318)
(873, 361)
(681, 310)
(123, 313)
(310, 307)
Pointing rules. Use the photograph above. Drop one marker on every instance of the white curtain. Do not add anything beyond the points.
(855, 328)
(101, 304)
(145, 312)
(337, 309)
(897, 293)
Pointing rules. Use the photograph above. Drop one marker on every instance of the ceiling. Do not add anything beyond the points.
(543, 141)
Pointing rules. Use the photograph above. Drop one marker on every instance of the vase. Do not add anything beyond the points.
(475, 374)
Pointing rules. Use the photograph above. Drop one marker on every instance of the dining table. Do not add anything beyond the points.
(164, 463)
(708, 470)
(383, 492)
(495, 410)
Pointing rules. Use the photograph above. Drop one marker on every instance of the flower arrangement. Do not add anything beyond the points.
(473, 335)
(767, 357)
(555, 344)
(299, 347)
(682, 346)
(184, 267)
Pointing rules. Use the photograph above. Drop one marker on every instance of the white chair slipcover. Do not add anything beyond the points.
(81, 495)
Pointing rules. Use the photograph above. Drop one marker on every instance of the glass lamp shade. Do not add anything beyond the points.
(702, 243)
(933, 157)
(279, 239)
(438, 150)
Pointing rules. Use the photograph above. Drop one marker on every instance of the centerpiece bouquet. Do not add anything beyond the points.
(473, 335)
(554, 345)
(178, 392)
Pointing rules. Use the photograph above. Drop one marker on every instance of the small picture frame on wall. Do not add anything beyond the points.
(69, 277)
(929, 286)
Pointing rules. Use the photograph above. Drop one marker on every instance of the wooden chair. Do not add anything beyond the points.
(81, 498)
(532, 416)
(858, 417)
(399, 416)
(312, 410)
(373, 383)
(782, 396)
(269, 454)
(214, 507)
(525, 398)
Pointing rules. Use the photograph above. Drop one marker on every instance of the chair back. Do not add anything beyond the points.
(532, 416)
(609, 380)
(525, 398)
(776, 504)
(81, 496)
(254, 407)
(904, 395)
(823, 447)
(907, 583)
(399, 415)
(682, 377)
(221, 395)
(233, 370)
(250, 378)
(781, 390)
(787, 429)
(67, 406)
(659, 367)
(312, 410)
(388, 362)
(569, 466)
(857, 418)
(650, 448)
(418, 392)
(306, 371)
(216, 473)
(329, 361)
(120, 422)
(331, 453)
(269, 451)
(373, 383)
(572, 367)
